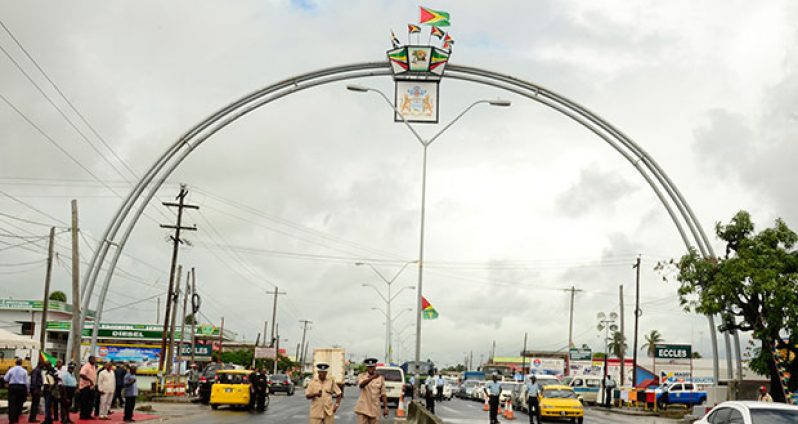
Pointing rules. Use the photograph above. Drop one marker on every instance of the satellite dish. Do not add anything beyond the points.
(613, 327)
(613, 316)
(600, 327)
(601, 316)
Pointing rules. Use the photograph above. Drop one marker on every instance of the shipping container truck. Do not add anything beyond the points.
(336, 358)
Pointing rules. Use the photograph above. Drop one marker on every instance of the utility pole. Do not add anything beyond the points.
(183, 321)
(638, 312)
(276, 344)
(305, 324)
(523, 355)
(307, 346)
(75, 330)
(265, 327)
(276, 293)
(47, 276)
(493, 351)
(623, 341)
(173, 320)
(573, 291)
(157, 310)
(296, 357)
(195, 304)
(176, 241)
(221, 339)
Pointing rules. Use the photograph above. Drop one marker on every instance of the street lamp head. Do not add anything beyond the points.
(357, 88)
(359, 263)
(500, 103)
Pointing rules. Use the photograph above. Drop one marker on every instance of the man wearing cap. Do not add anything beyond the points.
(260, 384)
(533, 389)
(372, 389)
(764, 396)
(321, 391)
(492, 390)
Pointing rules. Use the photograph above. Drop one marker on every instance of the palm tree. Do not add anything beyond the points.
(652, 339)
(617, 344)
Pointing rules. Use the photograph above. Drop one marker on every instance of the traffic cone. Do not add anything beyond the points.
(486, 407)
(400, 409)
(508, 411)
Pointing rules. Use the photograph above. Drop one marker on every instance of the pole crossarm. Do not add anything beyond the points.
(131, 208)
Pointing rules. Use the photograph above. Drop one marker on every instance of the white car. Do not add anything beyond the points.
(751, 412)
(507, 391)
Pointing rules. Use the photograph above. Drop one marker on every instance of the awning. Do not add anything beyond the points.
(9, 340)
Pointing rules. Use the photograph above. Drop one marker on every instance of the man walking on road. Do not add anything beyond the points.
(88, 380)
(492, 390)
(321, 391)
(17, 380)
(533, 393)
(372, 390)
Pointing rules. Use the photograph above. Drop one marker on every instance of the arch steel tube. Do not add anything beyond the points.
(164, 166)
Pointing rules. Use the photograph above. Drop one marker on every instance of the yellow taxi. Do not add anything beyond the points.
(232, 387)
(557, 401)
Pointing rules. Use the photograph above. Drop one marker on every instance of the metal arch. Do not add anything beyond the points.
(165, 165)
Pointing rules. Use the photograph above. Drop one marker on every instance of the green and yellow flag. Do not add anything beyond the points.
(433, 17)
(46, 357)
(428, 312)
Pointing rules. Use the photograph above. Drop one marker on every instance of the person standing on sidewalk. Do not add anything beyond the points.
(131, 392)
(106, 386)
(492, 390)
(609, 386)
(36, 382)
(372, 390)
(17, 380)
(533, 389)
(119, 374)
(50, 393)
(70, 387)
(88, 380)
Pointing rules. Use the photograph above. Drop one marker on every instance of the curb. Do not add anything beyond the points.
(626, 412)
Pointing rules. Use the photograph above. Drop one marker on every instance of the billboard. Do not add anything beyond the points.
(672, 351)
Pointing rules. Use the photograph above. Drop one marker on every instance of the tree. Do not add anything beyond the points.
(617, 344)
(190, 319)
(58, 296)
(652, 339)
(754, 287)
(697, 355)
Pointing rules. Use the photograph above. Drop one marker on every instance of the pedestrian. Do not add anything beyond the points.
(119, 375)
(193, 379)
(533, 389)
(131, 392)
(35, 388)
(492, 390)
(372, 390)
(439, 383)
(17, 380)
(260, 384)
(411, 387)
(50, 393)
(609, 385)
(325, 396)
(429, 392)
(764, 396)
(70, 387)
(88, 380)
(58, 389)
(106, 387)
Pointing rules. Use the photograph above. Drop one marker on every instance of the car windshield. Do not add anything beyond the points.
(391, 375)
(773, 416)
(225, 378)
(508, 386)
(279, 377)
(470, 383)
(592, 383)
(560, 394)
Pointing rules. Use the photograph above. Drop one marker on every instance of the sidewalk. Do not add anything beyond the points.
(623, 411)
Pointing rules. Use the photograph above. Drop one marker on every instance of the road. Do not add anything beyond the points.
(294, 410)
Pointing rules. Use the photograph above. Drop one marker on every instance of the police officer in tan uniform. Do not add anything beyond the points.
(372, 390)
(321, 391)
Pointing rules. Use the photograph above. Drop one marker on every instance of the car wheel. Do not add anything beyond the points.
(214, 406)
(291, 393)
(580, 420)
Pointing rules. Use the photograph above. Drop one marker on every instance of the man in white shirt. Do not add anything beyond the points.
(106, 385)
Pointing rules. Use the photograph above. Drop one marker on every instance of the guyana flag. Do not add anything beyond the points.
(433, 17)
(46, 357)
(412, 29)
(437, 32)
(428, 311)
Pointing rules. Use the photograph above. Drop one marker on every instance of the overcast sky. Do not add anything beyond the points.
(522, 202)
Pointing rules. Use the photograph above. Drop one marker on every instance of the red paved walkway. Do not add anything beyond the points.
(115, 418)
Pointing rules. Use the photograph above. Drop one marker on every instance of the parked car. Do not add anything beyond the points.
(281, 383)
(682, 393)
(206, 380)
(478, 392)
(233, 388)
(750, 412)
(587, 387)
(507, 391)
(466, 388)
(558, 401)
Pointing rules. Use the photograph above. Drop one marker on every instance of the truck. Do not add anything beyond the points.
(336, 358)
(681, 392)
(473, 375)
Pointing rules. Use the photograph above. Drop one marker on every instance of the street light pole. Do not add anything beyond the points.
(425, 145)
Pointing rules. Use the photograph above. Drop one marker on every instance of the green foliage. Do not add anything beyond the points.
(697, 355)
(652, 339)
(617, 344)
(754, 287)
(456, 368)
(190, 319)
(243, 357)
(58, 296)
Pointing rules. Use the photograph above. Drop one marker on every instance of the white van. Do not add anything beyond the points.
(394, 382)
(587, 388)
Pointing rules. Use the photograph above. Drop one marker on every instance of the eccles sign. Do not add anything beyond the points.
(673, 351)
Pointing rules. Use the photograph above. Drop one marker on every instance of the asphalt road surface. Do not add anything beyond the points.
(294, 410)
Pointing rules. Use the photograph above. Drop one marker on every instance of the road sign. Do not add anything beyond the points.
(671, 351)
(580, 354)
(264, 352)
